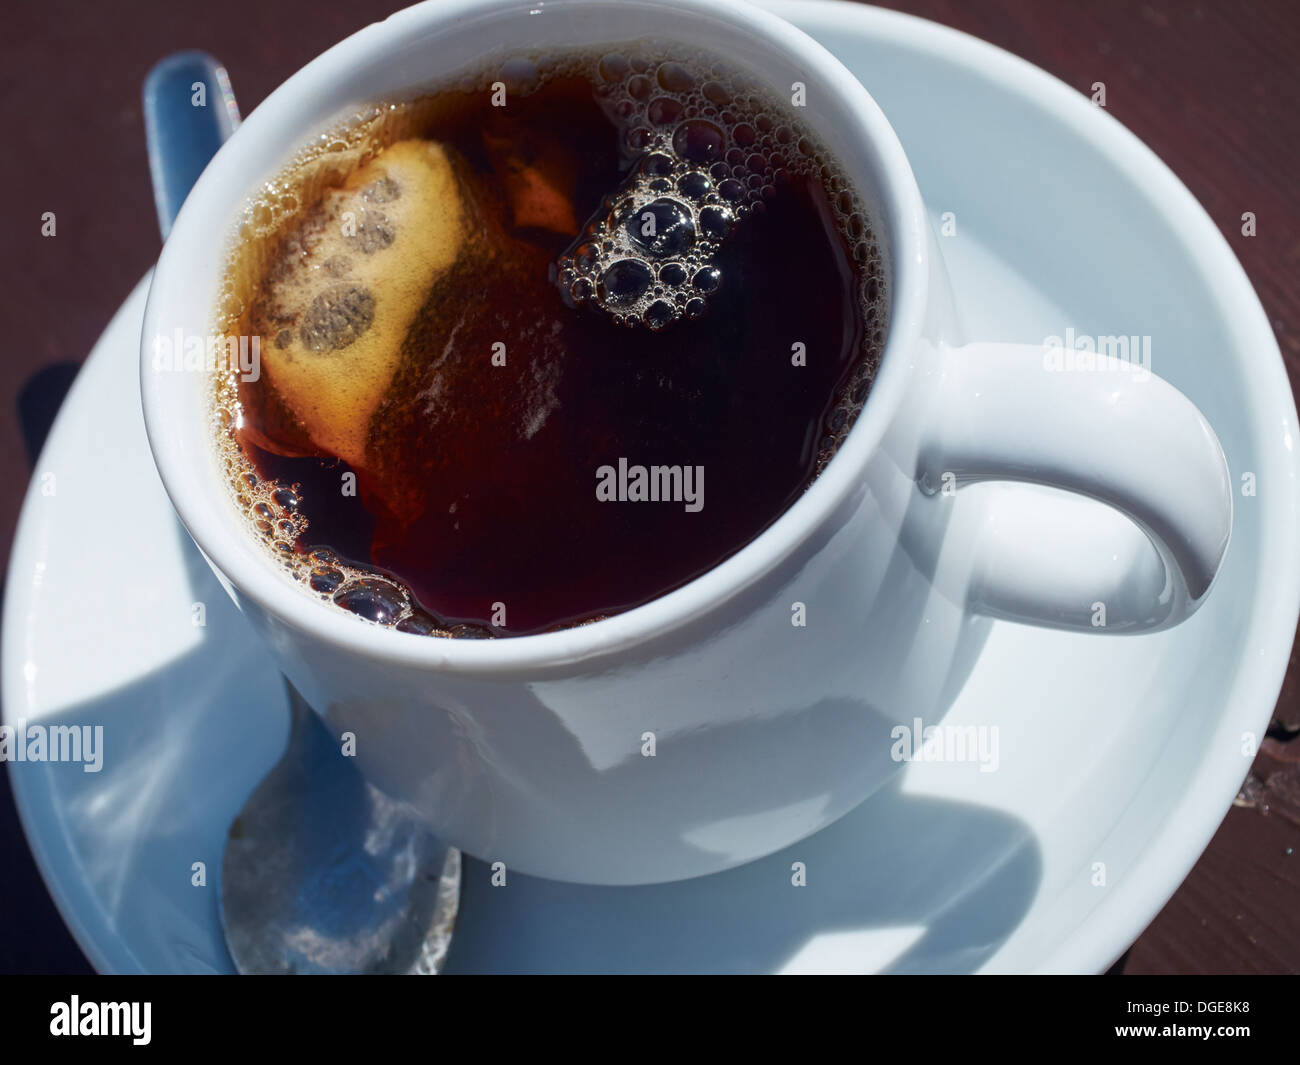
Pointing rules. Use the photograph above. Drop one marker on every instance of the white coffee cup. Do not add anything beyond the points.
(710, 726)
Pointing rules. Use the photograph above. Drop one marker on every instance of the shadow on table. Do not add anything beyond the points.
(39, 401)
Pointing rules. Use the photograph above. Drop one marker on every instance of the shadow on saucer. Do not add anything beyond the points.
(903, 883)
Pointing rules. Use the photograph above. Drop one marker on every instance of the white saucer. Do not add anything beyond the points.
(1122, 751)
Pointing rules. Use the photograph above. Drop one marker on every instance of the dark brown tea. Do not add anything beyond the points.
(546, 343)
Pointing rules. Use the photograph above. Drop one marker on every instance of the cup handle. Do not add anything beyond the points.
(1141, 551)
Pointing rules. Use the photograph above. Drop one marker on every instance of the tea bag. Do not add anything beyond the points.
(339, 300)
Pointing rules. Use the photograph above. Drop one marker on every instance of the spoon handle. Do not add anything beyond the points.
(189, 111)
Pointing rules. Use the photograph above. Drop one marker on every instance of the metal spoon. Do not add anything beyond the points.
(321, 872)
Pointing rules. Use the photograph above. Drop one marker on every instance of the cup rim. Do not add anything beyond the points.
(252, 571)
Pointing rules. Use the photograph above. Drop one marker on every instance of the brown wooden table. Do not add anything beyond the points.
(1211, 85)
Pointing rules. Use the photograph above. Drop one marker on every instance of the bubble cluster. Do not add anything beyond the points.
(705, 148)
(275, 514)
(378, 597)
(271, 509)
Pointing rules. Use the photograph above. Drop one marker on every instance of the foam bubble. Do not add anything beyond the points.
(706, 151)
